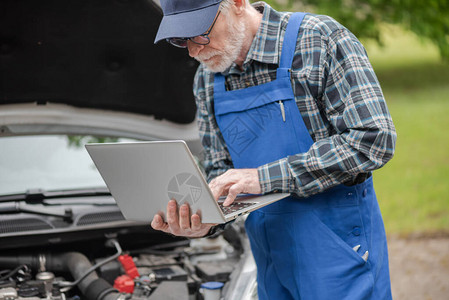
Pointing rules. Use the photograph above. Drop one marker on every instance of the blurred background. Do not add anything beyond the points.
(408, 45)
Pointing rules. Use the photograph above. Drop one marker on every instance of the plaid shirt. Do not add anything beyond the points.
(338, 96)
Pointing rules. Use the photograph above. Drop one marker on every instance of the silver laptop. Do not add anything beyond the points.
(143, 176)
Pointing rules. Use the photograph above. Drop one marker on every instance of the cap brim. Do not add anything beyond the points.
(187, 24)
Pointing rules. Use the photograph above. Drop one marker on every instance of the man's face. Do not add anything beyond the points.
(226, 40)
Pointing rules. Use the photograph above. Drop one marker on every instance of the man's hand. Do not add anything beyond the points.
(234, 182)
(180, 223)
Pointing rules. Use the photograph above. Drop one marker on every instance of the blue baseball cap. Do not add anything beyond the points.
(186, 18)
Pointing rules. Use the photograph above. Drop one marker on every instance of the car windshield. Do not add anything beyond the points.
(48, 162)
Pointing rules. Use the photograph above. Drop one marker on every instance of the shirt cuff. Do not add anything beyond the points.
(275, 176)
(216, 230)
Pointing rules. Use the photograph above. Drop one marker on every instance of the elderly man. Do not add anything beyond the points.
(289, 103)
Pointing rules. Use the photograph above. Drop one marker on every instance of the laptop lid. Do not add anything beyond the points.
(143, 176)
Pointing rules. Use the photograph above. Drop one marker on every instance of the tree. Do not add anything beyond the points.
(428, 19)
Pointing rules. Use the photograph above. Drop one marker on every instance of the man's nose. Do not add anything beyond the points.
(194, 49)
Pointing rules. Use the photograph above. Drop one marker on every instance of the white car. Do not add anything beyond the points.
(73, 72)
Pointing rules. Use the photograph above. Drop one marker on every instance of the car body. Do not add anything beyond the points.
(73, 72)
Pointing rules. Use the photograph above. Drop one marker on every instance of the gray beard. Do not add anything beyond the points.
(234, 43)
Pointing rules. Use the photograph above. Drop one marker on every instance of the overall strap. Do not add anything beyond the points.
(290, 37)
(219, 83)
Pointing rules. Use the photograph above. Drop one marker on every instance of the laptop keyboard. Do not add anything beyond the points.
(235, 206)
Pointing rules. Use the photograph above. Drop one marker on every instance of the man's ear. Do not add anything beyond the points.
(239, 6)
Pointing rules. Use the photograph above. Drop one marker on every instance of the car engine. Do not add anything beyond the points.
(122, 261)
(178, 268)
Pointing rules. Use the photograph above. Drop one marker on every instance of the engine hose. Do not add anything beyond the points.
(87, 280)
(79, 266)
(82, 273)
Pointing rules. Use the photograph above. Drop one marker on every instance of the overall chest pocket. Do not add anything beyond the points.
(250, 129)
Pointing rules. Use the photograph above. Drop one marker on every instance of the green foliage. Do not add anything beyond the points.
(428, 19)
(78, 141)
(413, 187)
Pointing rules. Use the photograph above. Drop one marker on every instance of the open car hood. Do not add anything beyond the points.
(61, 62)
(89, 67)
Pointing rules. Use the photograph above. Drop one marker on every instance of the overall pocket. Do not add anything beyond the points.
(329, 267)
(250, 132)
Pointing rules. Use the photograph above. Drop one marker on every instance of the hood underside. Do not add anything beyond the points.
(93, 54)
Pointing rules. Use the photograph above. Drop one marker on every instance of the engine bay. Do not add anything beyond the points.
(178, 268)
(109, 258)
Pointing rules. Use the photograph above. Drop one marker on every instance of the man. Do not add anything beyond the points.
(289, 103)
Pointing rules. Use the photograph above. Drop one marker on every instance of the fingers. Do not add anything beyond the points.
(180, 222)
(184, 217)
(159, 224)
(220, 185)
(196, 223)
(234, 190)
(234, 182)
(172, 216)
(217, 188)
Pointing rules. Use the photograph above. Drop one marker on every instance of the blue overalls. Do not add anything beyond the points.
(303, 247)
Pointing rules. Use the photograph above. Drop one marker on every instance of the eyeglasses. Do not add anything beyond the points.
(202, 39)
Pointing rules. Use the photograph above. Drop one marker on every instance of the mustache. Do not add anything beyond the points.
(206, 56)
(203, 58)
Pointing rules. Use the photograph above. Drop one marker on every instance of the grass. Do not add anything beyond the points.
(413, 188)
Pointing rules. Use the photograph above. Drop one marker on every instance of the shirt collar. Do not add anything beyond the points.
(265, 45)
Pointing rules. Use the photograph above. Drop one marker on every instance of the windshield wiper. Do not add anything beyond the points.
(17, 207)
(36, 196)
